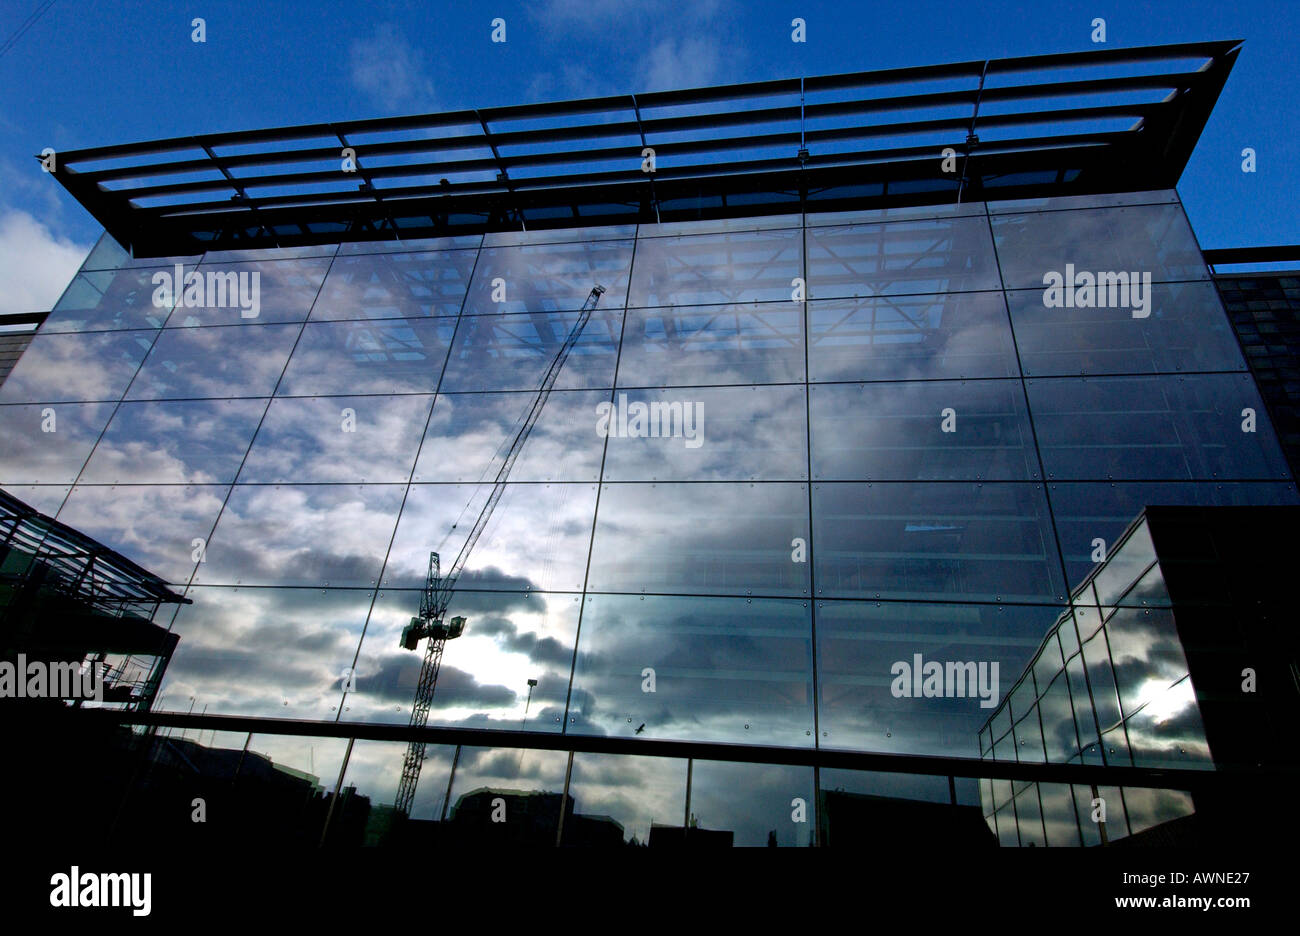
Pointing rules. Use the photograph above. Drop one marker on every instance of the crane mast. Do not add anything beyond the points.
(438, 589)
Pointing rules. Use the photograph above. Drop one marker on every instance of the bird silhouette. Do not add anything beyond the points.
(641, 729)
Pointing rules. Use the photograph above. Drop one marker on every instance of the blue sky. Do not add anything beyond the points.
(89, 74)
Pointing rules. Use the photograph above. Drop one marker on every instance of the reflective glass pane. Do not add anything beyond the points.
(860, 809)
(395, 285)
(364, 815)
(306, 535)
(89, 367)
(932, 431)
(706, 434)
(1029, 818)
(514, 352)
(1085, 512)
(270, 652)
(469, 434)
(1149, 809)
(701, 669)
(1124, 566)
(49, 444)
(389, 356)
(751, 805)
(1168, 731)
(112, 300)
(523, 790)
(1175, 428)
(707, 538)
(1060, 823)
(618, 800)
(985, 542)
(1153, 239)
(154, 525)
(261, 292)
(175, 442)
(340, 439)
(753, 343)
(509, 639)
(1101, 680)
(537, 537)
(938, 255)
(548, 277)
(1184, 329)
(879, 688)
(743, 266)
(1057, 718)
(910, 338)
(215, 362)
(44, 498)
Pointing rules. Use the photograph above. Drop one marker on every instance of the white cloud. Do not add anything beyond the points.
(390, 70)
(689, 62)
(36, 265)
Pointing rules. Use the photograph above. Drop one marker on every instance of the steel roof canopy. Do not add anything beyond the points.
(1110, 120)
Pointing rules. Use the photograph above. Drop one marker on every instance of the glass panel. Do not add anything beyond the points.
(395, 285)
(747, 805)
(1058, 721)
(469, 433)
(261, 292)
(524, 789)
(753, 343)
(1029, 818)
(1174, 428)
(1146, 653)
(44, 498)
(509, 639)
(306, 535)
(941, 430)
(986, 542)
(618, 800)
(1123, 567)
(548, 278)
(1103, 200)
(1102, 680)
(49, 444)
(748, 266)
(391, 356)
(863, 809)
(1153, 239)
(1185, 329)
(911, 337)
(707, 538)
(1085, 512)
(155, 526)
(876, 695)
(1059, 820)
(1085, 718)
(365, 816)
(178, 442)
(341, 439)
(215, 362)
(700, 669)
(1008, 836)
(90, 367)
(270, 652)
(1048, 662)
(901, 258)
(1151, 809)
(537, 538)
(706, 434)
(421, 245)
(896, 213)
(112, 300)
(559, 235)
(514, 352)
(1088, 829)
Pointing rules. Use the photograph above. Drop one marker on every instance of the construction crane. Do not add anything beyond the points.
(438, 589)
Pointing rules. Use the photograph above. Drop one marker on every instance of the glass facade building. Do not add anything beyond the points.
(815, 487)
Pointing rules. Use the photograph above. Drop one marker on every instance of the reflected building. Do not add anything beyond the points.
(826, 419)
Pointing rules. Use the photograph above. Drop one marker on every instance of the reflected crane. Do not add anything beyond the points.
(430, 623)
